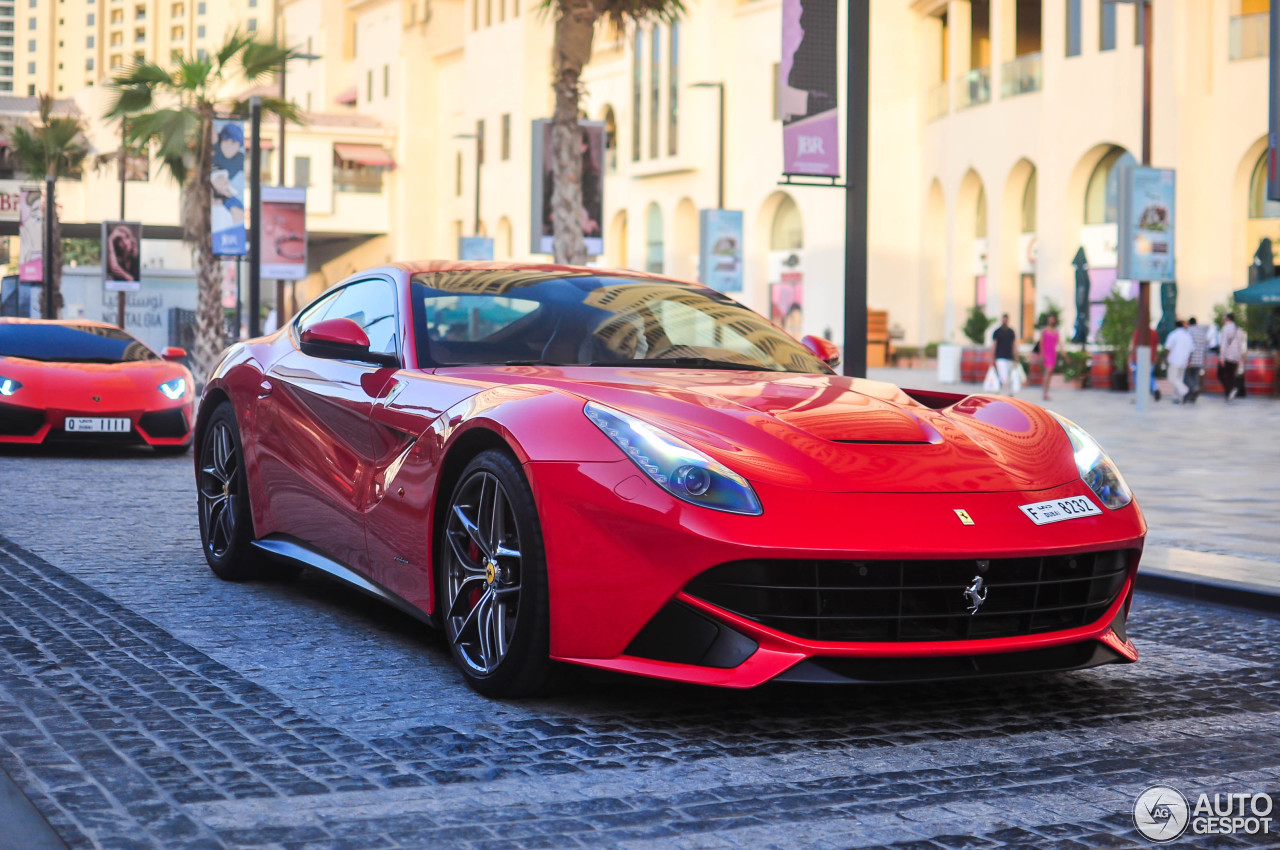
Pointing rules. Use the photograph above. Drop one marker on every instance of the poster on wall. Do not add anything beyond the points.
(475, 248)
(591, 146)
(226, 177)
(31, 234)
(121, 256)
(807, 88)
(1146, 224)
(284, 232)
(786, 291)
(720, 249)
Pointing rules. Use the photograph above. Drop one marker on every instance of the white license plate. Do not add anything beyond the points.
(1056, 510)
(95, 423)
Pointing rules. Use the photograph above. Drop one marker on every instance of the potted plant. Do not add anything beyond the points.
(975, 358)
(1116, 332)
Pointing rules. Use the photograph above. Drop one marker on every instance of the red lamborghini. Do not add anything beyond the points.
(75, 380)
(567, 466)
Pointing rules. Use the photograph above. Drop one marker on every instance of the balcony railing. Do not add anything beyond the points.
(1021, 76)
(973, 88)
(1248, 36)
(938, 101)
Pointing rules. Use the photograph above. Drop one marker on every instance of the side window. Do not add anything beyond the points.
(371, 304)
(315, 311)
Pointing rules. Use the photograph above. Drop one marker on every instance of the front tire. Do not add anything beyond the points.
(226, 525)
(493, 581)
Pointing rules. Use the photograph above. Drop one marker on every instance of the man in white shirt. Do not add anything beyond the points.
(1231, 342)
(1180, 345)
(1195, 368)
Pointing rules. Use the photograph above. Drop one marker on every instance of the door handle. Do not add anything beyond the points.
(265, 388)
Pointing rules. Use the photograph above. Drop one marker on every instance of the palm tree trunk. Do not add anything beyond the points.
(575, 30)
(197, 200)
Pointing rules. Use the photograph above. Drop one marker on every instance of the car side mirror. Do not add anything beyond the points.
(342, 339)
(174, 354)
(823, 349)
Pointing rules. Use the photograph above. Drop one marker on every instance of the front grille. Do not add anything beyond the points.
(165, 423)
(19, 421)
(917, 600)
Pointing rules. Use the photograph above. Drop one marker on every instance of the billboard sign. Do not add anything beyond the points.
(1146, 250)
(226, 177)
(720, 249)
(121, 256)
(475, 248)
(807, 88)
(284, 232)
(591, 144)
(31, 234)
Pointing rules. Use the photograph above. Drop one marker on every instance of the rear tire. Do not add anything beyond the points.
(493, 582)
(222, 494)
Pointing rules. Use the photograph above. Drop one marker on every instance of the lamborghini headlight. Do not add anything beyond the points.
(174, 389)
(8, 386)
(676, 466)
(1096, 468)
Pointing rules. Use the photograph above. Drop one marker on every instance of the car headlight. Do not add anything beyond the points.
(676, 466)
(174, 389)
(8, 386)
(1096, 468)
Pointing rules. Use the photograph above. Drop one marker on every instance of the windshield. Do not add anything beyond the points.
(71, 343)
(524, 318)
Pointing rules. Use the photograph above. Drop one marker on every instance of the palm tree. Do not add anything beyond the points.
(56, 146)
(575, 31)
(172, 109)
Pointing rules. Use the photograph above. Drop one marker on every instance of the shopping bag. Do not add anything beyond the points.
(1016, 378)
(991, 383)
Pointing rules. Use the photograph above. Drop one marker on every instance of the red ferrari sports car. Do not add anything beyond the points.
(74, 380)
(568, 466)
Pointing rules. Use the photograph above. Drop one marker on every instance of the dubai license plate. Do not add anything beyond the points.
(81, 424)
(1057, 510)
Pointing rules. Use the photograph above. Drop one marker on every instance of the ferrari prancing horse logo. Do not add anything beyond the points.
(965, 519)
(976, 593)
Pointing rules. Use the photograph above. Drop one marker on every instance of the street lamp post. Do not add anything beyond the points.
(720, 168)
(124, 167)
(255, 223)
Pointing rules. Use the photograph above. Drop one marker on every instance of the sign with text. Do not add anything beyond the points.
(31, 234)
(1146, 250)
(475, 248)
(122, 256)
(720, 249)
(284, 232)
(807, 88)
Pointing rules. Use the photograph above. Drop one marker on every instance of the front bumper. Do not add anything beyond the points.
(620, 550)
(158, 425)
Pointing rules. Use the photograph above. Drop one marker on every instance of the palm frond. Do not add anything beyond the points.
(145, 74)
(192, 74)
(130, 99)
(229, 49)
(260, 59)
(174, 132)
(286, 109)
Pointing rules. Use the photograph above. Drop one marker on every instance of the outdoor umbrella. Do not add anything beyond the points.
(1082, 297)
(1169, 311)
(1267, 292)
(1264, 266)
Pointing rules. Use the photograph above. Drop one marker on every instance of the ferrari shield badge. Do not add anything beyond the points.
(965, 519)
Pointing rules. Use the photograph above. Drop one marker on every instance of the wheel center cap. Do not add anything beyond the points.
(490, 572)
(226, 490)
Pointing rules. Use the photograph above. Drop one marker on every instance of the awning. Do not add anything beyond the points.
(371, 155)
(1267, 292)
(348, 97)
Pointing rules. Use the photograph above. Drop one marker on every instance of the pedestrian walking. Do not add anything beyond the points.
(1231, 341)
(1195, 368)
(1004, 339)
(1049, 350)
(1179, 344)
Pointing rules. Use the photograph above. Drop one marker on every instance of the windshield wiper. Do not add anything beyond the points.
(686, 363)
(535, 363)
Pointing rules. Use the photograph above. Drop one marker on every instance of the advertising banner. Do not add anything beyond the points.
(475, 248)
(786, 291)
(591, 145)
(1146, 224)
(284, 232)
(121, 256)
(807, 88)
(31, 234)
(720, 249)
(227, 179)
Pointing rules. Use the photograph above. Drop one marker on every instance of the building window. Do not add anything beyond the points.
(202, 54)
(506, 137)
(610, 141)
(253, 25)
(655, 91)
(31, 69)
(1247, 33)
(1106, 25)
(1074, 38)
(88, 42)
(1139, 22)
(673, 90)
(654, 248)
(457, 175)
(480, 141)
(117, 17)
(88, 64)
(386, 81)
(201, 8)
(1102, 193)
(31, 24)
(89, 19)
(140, 13)
(117, 39)
(302, 171)
(1259, 206)
(362, 175)
(176, 33)
(368, 85)
(637, 55)
(31, 92)
(200, 31)
(31, 46)
(177, 10)
(117, 61)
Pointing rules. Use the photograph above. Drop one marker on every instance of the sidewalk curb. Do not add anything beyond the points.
(24, 827)
(1200, 589)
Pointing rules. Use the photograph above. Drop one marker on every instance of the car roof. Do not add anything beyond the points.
(427, 266)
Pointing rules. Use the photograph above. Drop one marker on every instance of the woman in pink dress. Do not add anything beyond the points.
(1049, 350)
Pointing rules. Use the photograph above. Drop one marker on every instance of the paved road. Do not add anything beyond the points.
(143, 703)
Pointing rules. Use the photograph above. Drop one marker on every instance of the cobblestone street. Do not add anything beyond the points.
(144, 703)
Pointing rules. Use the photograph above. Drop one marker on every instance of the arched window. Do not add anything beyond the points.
(1259, 206)
(787, 231)
(654, 247)
(673, 90)
(980, 214)
(1102, 195)
(637, 92)
(610, 141)
(1029, 204)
